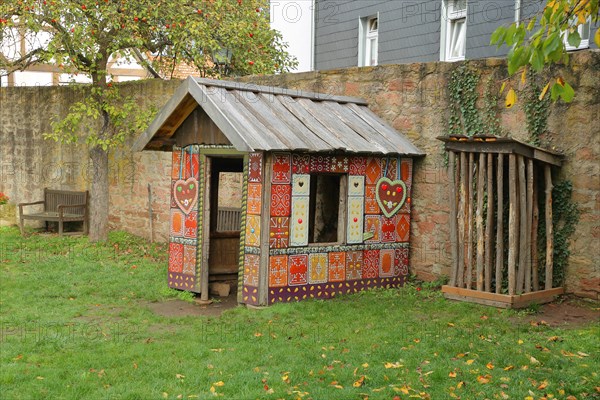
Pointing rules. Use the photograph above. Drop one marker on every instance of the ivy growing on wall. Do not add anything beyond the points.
(536, 113)
(466, 118)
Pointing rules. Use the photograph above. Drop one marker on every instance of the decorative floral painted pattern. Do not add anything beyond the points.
(281, 196)
(278, 271)
(317, 268)
(189, 259)
(354, 265)
(298, 270)
(388, 229)
(279, 232)
(358, 165)
(373, 171)
(191, 225)
(370, 264)
(371, 206)
(299, 221)
(300, 163)
(320, 163)
(337, 266)
(251, 268)
(386, 263)
(175, 257)
(373, 226)
(254, 200)
(403, 227)
(282, 168)
(339, 164)
(401, 261)
(253, 230)
(255, 167)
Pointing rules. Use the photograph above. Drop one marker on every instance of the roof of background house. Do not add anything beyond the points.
(255, 118)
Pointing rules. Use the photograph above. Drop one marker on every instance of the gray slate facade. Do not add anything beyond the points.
(409, 30)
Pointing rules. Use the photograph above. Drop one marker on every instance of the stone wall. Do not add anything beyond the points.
(411, 97)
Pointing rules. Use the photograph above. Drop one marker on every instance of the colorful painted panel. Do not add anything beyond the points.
(279, 232)
(358, 165)
(354, 263)
(386, 263)
(253, 230)
(299, 221)
(370, 264)
(281, 200)
(356, 186)
(401, 261)
(300, 163)
(320, 164)
(373, 171)
(339, 164)
(403, 227)
(282, 168)
(298, 270)
(278, 271)
(251, 267)
(371, 206)
(388, 229)
(254, 199)
(185, 196)
(337, 266)
(372, 228)
(255, 167)
(355, 220)
(317, 268)
(301, 185)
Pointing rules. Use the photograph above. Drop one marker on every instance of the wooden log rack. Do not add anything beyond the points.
(497, 186)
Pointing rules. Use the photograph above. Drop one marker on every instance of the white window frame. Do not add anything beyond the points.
(366, 37)
(586, 29)
(450, 17)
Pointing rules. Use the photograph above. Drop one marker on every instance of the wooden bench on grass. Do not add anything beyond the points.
(59, 206)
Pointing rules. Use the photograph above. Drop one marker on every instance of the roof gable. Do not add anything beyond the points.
(265, 118)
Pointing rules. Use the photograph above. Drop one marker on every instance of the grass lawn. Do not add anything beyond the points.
(75, 324)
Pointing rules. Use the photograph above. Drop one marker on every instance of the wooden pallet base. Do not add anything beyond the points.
(501, 300)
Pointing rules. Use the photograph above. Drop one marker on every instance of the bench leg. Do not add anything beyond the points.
(60, 228)
(85, 227)
(21, 227)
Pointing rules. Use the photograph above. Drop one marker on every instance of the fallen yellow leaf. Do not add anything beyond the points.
(484, 379)
(285, 378)
(543, 385)
(469, 362)
(257, 334)
(179, 376)
(389, 365)
(359, 382)
(511, 98)
(452, 374)
(219, 384)
(460, 384)
(544, 91)
(508, 368)
(365, 365)
(489, 365)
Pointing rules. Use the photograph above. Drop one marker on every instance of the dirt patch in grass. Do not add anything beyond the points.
(180, 308)
(567, 312)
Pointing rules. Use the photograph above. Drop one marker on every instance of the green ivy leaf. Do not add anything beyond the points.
(574, 39)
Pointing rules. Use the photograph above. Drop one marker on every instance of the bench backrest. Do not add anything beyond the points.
(54, 198)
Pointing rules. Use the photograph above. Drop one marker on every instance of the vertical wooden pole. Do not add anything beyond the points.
(204, 272)
(500, 223)
(263, 269)
(469, 226)
(529, 215)
(534, 236)
(512, 223)
(522, 225)
(479, 219)
(549, 228)
(489, 225)
(453, 239)
(462, 220)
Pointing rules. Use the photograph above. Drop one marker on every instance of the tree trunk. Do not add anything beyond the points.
(99, 195)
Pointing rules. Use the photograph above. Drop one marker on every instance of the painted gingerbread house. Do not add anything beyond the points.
(295, 195)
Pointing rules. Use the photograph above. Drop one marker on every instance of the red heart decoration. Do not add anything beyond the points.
(185, 194)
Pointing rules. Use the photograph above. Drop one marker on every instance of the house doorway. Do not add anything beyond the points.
(226, 186)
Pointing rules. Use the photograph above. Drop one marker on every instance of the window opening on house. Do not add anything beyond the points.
(584, 34)
(455, 35)
(229, 202)
(369, 41)
(324, 208)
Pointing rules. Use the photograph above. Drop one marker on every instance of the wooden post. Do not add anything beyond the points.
(469, 226)
(529, 217)
(549, 228)
(453, 239)
(489, 228)
(500, 224)
(512, 222)
(205, 245)
(534, 238)
(150, 216)
(462, 221)
(522, 226)
(479, 219)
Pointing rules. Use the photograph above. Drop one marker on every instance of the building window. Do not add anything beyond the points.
(584, 34)
(368, 44)
(325, 208)
(454, 30)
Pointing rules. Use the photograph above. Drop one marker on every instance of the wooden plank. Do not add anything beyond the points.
(481, 174)
(489, 225)
(534, 237)
(549, 228)
(504, 147)
(485, 302)
(499, 222)
(522, 225)
(539, 297)
(501, 300)
(313, 142)
(529, 217)
(263, 271)
(469, 224)
(453, 216)
(205, 245)
(462, 220)
(273, 90)
(512, 223)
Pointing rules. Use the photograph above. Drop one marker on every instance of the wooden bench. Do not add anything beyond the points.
(59, 206)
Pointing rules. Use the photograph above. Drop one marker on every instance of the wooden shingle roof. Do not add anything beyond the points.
(255, 118)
